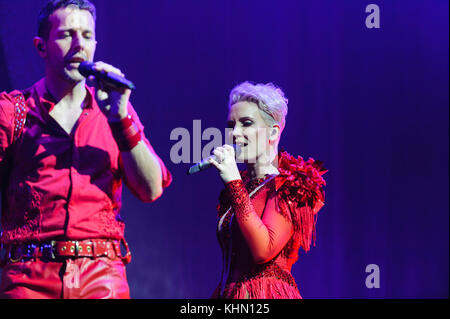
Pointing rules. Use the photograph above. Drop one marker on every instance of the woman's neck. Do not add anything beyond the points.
(263, 167)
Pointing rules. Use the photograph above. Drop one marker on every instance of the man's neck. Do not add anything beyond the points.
(66, 93)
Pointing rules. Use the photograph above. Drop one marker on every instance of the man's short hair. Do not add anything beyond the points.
(44, 25)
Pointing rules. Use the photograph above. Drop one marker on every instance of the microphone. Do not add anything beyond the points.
(86, 69)
(204, 164)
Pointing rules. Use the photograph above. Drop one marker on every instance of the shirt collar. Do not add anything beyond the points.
(47, 101)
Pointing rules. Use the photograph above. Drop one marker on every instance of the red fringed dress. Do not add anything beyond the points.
(263, 223)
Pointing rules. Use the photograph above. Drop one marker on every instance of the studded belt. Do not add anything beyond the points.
(58, 250)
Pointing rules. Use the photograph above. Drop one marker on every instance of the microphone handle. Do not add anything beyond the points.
(115, 80)
(204, 164)
(201, 166)
(86, 69)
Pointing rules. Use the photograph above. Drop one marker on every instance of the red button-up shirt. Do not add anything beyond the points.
(57, 185)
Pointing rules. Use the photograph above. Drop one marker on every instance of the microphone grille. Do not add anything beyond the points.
(85, 68)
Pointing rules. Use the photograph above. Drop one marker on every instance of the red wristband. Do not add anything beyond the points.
(126, 133)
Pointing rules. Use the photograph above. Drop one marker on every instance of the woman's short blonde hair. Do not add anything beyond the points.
(269, 98)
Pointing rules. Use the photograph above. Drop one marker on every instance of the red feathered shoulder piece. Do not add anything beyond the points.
(299, 188)
(300, 181)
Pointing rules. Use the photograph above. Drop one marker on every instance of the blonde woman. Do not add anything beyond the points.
(266, 212)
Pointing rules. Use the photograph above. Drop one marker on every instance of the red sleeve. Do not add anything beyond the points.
(265, 236)
(6, 127)
(166, 175)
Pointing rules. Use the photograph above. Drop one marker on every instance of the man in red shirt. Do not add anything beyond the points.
(65, 149)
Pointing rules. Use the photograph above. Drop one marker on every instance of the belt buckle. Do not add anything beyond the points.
(127, 258)
(14, 260)
(25, 252)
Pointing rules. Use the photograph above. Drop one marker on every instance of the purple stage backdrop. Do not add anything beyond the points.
(372, 103)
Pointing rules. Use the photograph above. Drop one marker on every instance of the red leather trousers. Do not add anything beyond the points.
(80, 278)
